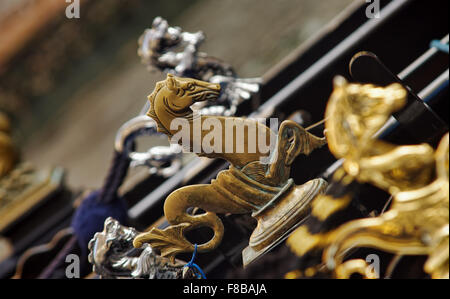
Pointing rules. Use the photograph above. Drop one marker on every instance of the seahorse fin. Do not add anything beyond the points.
(169, 241)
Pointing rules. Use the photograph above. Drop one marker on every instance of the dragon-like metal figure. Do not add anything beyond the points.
(113, 256)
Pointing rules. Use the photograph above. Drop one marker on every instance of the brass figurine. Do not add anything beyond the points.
(416, 177)
(248, 186)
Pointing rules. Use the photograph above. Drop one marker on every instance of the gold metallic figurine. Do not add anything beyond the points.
(415, 175)
(248, 186)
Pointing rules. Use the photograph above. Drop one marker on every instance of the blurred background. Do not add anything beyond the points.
(67, 85)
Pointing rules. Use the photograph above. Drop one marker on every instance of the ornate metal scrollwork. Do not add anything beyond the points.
(172, 50)
(113, 256)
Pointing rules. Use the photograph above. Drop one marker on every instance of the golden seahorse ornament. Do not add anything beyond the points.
(248, 186)
(415, 175)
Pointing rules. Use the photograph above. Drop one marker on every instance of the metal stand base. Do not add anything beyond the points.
(277, 222)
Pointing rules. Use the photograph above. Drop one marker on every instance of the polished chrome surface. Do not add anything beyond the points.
(113, 256)
(161, 160)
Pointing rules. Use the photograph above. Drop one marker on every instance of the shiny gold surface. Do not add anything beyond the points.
(345, 270)
(415, 175)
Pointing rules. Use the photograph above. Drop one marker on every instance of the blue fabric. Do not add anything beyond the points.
(91, 215)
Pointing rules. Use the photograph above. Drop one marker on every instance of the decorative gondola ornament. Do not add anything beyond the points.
(417, 221)
(172, 50)
(22, 186)
(250, 185)
(113, 256)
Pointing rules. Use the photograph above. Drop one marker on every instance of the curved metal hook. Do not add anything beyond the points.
(161, 160)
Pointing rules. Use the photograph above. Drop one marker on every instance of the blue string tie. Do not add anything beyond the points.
(194, 266)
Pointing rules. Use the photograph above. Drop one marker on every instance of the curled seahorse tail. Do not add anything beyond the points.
(197, 196)
(212, 221)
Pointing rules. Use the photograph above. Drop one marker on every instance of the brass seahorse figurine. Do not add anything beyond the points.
(417, 221)
(250, 185)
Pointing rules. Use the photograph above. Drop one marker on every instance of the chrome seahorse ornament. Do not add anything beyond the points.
(172, 50)
(257, 181)
(112, 255)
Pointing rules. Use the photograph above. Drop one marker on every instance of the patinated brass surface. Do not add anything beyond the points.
(416, 223)
(21, 185)
(415, 175)
(23, 188)
(248, 186)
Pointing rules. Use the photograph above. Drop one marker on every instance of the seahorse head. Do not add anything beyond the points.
(355, 112)
(181, 93)
(177, 95)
